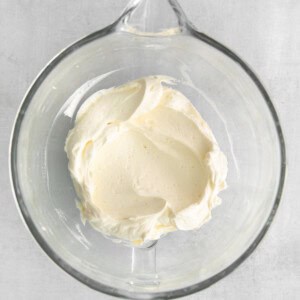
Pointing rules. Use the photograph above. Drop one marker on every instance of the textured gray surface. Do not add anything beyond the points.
(266, 34)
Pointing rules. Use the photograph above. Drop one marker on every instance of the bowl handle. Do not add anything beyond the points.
(143, 266)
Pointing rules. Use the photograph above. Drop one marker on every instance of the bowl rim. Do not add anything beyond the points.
(96, 285)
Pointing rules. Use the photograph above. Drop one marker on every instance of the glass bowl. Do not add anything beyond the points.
(151, 37)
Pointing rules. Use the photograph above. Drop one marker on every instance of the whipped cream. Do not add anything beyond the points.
(144, 162)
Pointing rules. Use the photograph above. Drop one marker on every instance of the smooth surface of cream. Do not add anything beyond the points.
(144, 162)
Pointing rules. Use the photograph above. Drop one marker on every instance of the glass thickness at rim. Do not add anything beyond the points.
(52, 254)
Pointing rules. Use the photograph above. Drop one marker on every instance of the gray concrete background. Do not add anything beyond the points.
(265, 33)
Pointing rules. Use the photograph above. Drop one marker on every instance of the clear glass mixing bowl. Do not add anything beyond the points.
(149, 40)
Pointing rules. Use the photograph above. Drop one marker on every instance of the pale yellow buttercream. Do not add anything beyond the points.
(144, 162)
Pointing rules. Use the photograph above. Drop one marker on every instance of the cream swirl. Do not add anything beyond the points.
(144, 162)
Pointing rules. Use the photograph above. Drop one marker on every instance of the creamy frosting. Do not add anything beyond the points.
(144, 162)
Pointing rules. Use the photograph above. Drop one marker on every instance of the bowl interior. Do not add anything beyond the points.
(225, 96)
